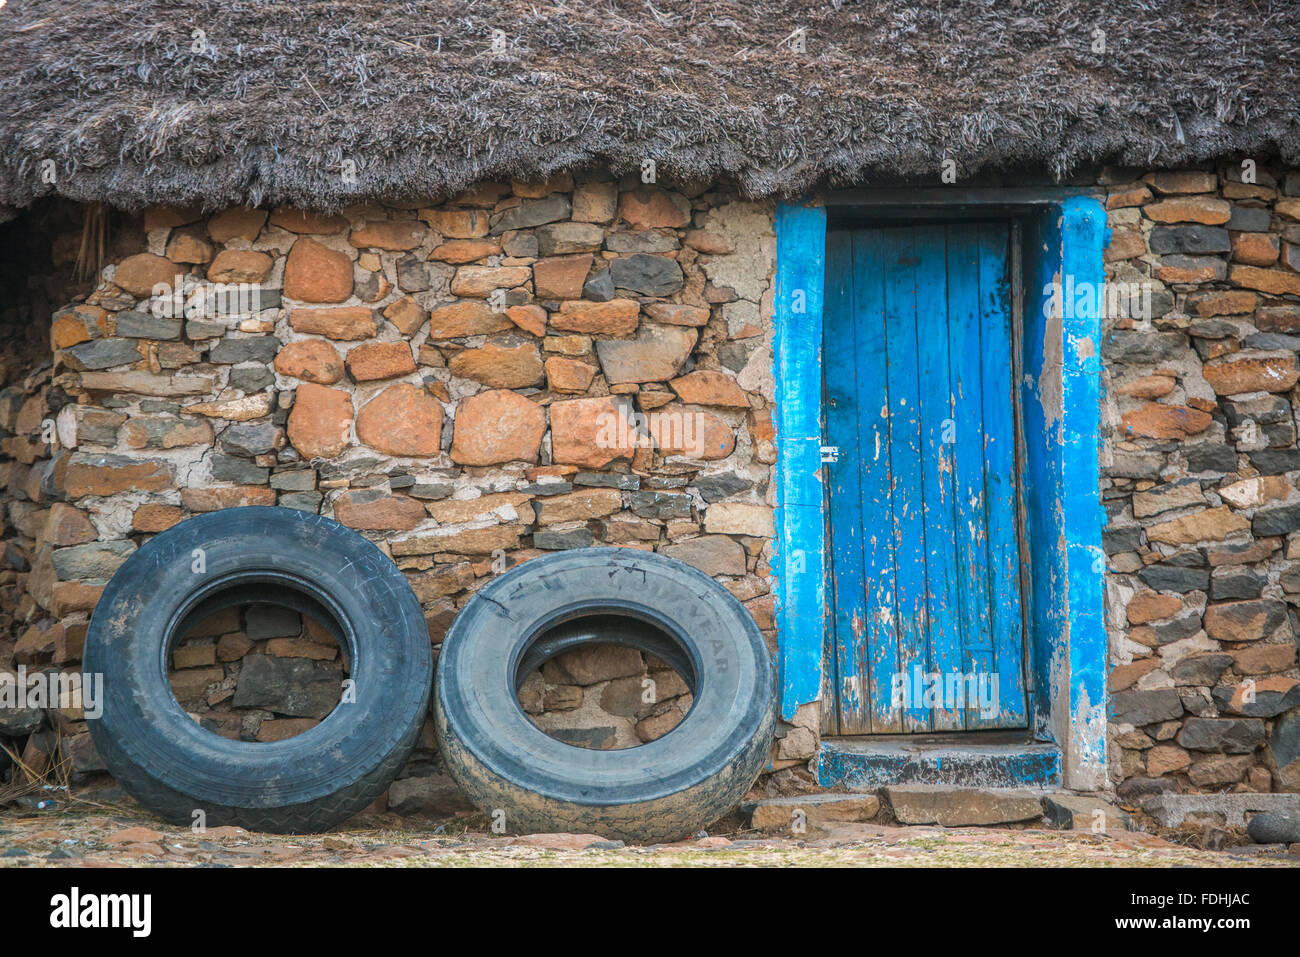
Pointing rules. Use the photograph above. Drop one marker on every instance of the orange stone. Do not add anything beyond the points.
(240, 265)
(141, 273)
(1124, 244)
(374, 510)
(651, 208)
(590, 432)
(312, 360)
(1190, 209)
(155, 518)
(1148, 387)
(479, 282)
(499, 367)
(561, 277)
(462, 251)
(699, 435)
(1255, 249)
(189, 245)
(495, 427)
(396, 235)
(346, 322)
(109, 474)
(618, 317)
(1152, 606)
(402, 420)
(67, 330)
(1156, 421)
(315, 273)
(677, 314)
(320, 422)
(1265, 374)
(300, 221)
(236, 223)
(1276, 281)
(214, 499)
(406, 315)
(568, 375)
(462, 319)
(457, 223)
(380, 360)
(530, 318)
(710, 388)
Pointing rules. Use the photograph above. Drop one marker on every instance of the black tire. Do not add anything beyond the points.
(303, 784)
(660, 791)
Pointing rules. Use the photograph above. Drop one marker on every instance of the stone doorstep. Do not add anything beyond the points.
(867, 765)
(1170, 809)
(937, 804)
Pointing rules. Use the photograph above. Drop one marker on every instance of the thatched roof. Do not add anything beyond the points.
(281, 94)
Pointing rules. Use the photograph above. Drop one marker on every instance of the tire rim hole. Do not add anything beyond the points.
(260, 672)
(605, 682)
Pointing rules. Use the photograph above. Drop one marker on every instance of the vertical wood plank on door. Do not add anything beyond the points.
(900, 259)
(999, 476)
(847, 593)
(880, 660)
(943, 630)
(971, 535)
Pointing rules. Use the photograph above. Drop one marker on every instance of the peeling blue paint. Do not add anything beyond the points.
(872, 765)
(800, 533)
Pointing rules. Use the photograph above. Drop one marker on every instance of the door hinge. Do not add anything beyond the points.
(830, 453)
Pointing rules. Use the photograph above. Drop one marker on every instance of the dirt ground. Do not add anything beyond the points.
(103, 836)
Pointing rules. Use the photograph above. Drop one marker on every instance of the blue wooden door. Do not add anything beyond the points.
(925, 586)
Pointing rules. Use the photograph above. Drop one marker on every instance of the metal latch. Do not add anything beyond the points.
(830, 453)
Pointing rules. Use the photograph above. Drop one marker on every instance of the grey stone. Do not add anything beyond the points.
(1274, 827)
(528, 215)
(1137, 465)
(547, 488)
(414, 274)
(961, 807)
(94, 560)
(1200, 670)
(232, 468)
(734, 355)
(598, 738)
(1274, 462)
(431, 490)
(1272, 341)
(1263, 409)
(647, 275)
(302, 501)
(521, 245)
(711, 554)
(1184, 626)
(600, 287)
(1210, 457)
(1170, 810)
(641, 241)
(249, 349)
(98, 426)
(251, 378)
(1127, 538)
(203, 329)
(140, 325)
(295, 480)
(1190, 239)
(1141, 708)
(1222, 735)
(652, 504)
(1266, 704)
(562, 239)
(297, 687)
(1249, 219)
(619, 480)
(1170, 578)
(1280, 520)
(102, 354)
(1142, 348)
(271, 621)
(249, 438)
(720, 485)
(1232, 582)
(553, 540)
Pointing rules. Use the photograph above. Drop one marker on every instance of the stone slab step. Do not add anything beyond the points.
(962, 807)
(1172, 809)
(818, 811)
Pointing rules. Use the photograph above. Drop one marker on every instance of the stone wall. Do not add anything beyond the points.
(532, 367)
(1200, 466)
(528, 367)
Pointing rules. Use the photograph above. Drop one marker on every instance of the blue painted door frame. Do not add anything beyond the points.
(1061, 409)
